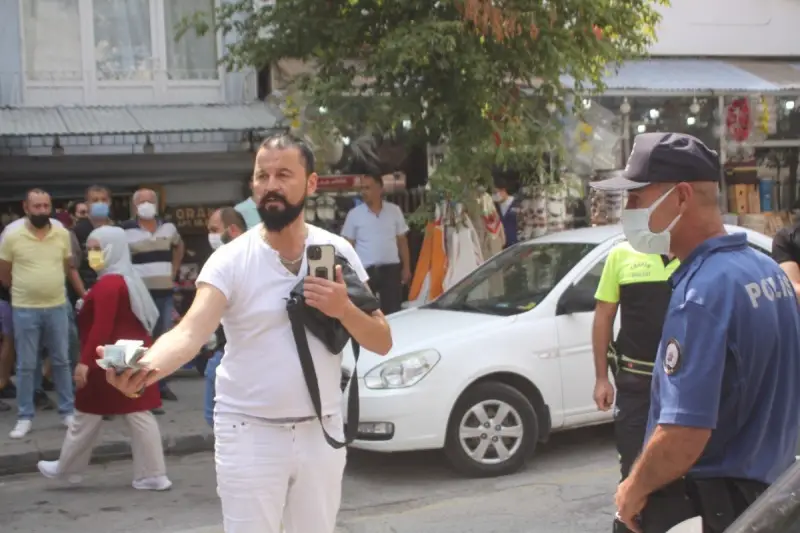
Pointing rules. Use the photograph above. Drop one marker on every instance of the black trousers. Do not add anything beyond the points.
(630, 423)
(386, 281)
(719, 501)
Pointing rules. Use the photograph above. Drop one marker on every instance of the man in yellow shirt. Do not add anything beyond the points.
(37, 257)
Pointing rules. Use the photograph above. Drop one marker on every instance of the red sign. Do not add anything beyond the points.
(338, 183)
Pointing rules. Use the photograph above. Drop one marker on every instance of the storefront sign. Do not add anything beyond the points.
(190, 218)
(338, 183)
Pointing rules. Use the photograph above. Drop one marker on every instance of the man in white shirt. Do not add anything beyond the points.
(273, 462)
(378, 229)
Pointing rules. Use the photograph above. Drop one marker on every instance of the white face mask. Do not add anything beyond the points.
(215, 240)
(146, 210)
(496, 198)
(636, 226)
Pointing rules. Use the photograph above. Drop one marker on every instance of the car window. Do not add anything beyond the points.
(589, 282)
(516, 280)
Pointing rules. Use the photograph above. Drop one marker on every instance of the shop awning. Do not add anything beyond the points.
(659, 75)
(64, 121)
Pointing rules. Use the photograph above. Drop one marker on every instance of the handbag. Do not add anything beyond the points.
(335, 337)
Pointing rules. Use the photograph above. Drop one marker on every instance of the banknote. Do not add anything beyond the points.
(123, 355)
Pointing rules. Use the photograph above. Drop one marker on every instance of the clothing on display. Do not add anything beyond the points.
(464, 247)
(607, 206)
(428, 280)
(488, 226)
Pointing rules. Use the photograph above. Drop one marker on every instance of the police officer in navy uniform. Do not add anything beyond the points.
(724, 414)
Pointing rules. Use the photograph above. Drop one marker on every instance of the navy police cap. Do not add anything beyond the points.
(664, 158)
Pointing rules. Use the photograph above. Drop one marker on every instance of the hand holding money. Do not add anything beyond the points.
(124, 369)
(122, 355)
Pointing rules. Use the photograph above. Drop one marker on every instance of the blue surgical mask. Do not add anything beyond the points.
(98, 210)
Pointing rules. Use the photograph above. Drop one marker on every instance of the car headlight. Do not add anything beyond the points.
(402, 371)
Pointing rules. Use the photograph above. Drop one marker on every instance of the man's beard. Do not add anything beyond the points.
(275, 218)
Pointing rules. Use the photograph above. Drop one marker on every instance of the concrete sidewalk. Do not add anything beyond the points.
(183, 430)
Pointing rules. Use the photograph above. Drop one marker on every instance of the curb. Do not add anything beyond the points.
(25, 462)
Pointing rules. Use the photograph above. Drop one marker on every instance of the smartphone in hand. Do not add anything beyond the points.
(322, 261)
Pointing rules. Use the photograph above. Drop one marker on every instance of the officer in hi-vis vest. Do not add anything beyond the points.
(636, 284)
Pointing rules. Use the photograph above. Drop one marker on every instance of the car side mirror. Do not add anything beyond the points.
(575, 299)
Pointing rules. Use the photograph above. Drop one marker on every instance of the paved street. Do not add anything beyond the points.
(182, 427)
(568, 488)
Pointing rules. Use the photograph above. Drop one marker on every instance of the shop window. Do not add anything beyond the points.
(52, 39)
(123, 43)
(676, 114)
(192, 57)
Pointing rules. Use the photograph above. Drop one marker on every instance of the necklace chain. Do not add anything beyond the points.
(290, 262)
(283, 260)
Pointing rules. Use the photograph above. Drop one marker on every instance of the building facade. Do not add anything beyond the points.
(103, 91)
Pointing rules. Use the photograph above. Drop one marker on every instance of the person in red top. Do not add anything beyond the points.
(117, 307)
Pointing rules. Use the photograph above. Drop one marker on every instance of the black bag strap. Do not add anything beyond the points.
(310, 375)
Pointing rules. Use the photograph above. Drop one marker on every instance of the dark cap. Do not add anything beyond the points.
(664, 158)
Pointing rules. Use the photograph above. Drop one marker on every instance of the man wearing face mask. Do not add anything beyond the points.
(157, 252)
(273, 462)
(224, 225)
(38, 257)
(507, 206)
(724, 415)
(98, 202)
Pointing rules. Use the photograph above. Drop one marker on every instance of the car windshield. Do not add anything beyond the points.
(514, 281)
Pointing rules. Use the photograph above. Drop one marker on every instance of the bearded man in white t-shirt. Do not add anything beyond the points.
(273, 463)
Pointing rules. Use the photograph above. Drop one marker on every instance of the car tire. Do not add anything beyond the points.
(487, 398)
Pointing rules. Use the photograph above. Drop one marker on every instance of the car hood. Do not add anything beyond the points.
(421, 329)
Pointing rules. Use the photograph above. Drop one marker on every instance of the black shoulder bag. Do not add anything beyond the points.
(334, 336)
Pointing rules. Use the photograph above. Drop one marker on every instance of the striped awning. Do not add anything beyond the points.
(701, 76)
(64, 121)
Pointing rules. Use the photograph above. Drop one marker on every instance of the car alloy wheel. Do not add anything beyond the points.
(491, 432)
(479, 450)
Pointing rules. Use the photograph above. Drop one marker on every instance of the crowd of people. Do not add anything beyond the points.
(46, 270)
(706, 367)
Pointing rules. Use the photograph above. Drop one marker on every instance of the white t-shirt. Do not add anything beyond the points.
(260, 374)
(375, 235)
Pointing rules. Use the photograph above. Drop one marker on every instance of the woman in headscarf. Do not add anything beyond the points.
(117, 307)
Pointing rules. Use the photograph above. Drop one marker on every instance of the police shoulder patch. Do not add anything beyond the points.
(672, 357)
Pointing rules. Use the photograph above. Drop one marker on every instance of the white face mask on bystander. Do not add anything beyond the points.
(146, 210)
(215, 240)
(636, 226)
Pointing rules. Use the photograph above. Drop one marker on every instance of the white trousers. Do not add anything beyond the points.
(146, 446)
(269, 473)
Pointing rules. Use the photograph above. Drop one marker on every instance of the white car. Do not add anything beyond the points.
(496, 363)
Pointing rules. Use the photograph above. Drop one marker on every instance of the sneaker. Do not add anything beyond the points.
(158, 483)
(22, 428)
(68, 420)
(4, 407)
(49, 469)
